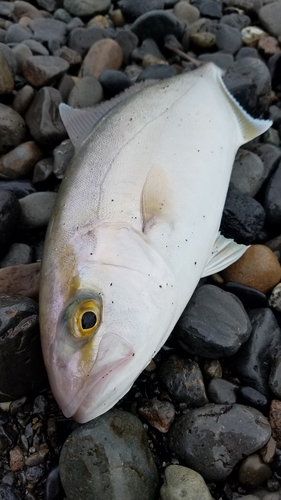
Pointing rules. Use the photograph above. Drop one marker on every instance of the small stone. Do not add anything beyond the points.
(16, 461)
(128, 41)
(9, 56)
(9, 217)
(158, 71)
(148, 47)
(269, 154)
(235, 20)
(101, 21)
(62, 157)
(157, 25)
(53, 487)
(159, 414)
(183, 10)
(222, 60)
(85, 93)
(184, 483)
(113, 82)
(117, 18)
(247, 52)
(268, 46)
(65, 86)
(18, 253)
(23, 99)
(69, 55)
(42, 170)
(25, 9)
(8, 492)
(49, 32)
(12, 129)
(62, 15)
(44, 70)
(17, 34)
(132, 9)
(227, 37)
(251, 35)
(222, 391)
(268, 451)
(22, 53)
(257, 268)
(82, 39)
(248, 173)
(275, 298)
(253, 471)
(87, 8)
(271, 136)
(274, 378)
(49, 5)
(6, 77)
(203, 40)
(210, 9)
(20, 280)
(36, 209)
(104, 54)
(20, 161)
(36, 48)
(212, 368)
(270, 15)
(251, 397)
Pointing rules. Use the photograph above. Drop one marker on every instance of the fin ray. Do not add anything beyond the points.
(224, 252)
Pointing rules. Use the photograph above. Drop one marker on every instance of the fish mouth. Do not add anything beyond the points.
(105, 368)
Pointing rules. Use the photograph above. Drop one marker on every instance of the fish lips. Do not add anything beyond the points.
(73, 400)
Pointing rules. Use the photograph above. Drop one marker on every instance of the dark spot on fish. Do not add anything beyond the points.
(195, 263)
(112, 200)
(110, 284)
(160, 286)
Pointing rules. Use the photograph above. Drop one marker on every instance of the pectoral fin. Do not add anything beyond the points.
(157, 198)
(224, 253)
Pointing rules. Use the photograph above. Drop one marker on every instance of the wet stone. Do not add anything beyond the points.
(250, 297)
(19, 188)
(158, 71)
(44, 70)
(159, 414)
(104, 54)
(86, 93)
(82, 39)
(213, 324)
(50, 32)
(69, 55)
(62, 157)
(253, 471)
(239, 430)
(9, 492)
(253, 362)
(19, 253)
(9, 217)
(222, 391)
(252, 397)
(157, 25)
(36, 209)
(87, 7)
(12, 129)
(248, 173)
(23, 99)
(53, 488)
(20, 161)
(183, 379)
(184, 483)
(90, 451)
(43, 118)
(275, 376)
(113, 82)
(272, 202)
(212, 368)
(243, 217)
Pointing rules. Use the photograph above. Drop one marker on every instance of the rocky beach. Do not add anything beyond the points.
(203, 421)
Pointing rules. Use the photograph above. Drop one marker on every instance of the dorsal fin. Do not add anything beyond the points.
(80, 122)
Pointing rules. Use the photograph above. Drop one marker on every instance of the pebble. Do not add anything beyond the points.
(257, 268)
(6, 77)
(16, 459)
(17, 33)
(201, 438)
(250, 297)
(132, 9)
(85, 93)
(268, 46)
(43, 118)
(9, 56)
(227, 38)
(248, 173)
(36, 48)
(20, 280)
(22, 53)
(275, 420)
(44, 70)
(25, 9)
(102, 449)
(214, 323)
(274, 378)
(157, 25)
(20, 161)
(62, 15)
(235, 20)
(81, 39)
(268, 451)
(269, 154)
(49, 32)
(243, 218)
(221, 59)
(210, 9)
(12, 129)
(186, 12)
(148, 47)
(159, 414)
(87, 7)
(272, 202)
(128, 41)
(184, 483)
(19, 253)
(158, 72)
(36, 209)
(212, 368)
(23, 99)
(69, 55)
(53, 487)
(8, 492)
(19, 188)
(222, 391)
(274, 68)
(65, 86)
(104, 54)
(251, 397)
(252, 364)
(275, 298)
(62, 157)
(253, 471)
(270, 15)
(203, 40)
(113, 82)
(9, 217)
(251, 35)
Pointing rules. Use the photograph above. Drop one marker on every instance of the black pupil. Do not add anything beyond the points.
(89, 320)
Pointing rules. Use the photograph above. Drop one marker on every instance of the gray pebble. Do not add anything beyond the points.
(253, 471)
(248, 173)
(132, 9)
(158, 72)
(81, 39)
(227, 37)
(49, 5)
(275, 376)
(270, 16)
(269, 154)
(36, 209)
(50, 32)
(222, 60)
(18, 253)
(183, 483)
(43, 170)
(128, 41)
(36, 48)
(62, 15)
(22, 53)
(238, 21)
(87, 7)
(62, 157)
(85, 93)
(17, 33)
(12, 129)
(148, 46)
(272, 201)
(23, 99)
(222, 391)
(69, 55)
(9, 217)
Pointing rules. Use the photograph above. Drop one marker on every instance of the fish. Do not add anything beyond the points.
(134, 228)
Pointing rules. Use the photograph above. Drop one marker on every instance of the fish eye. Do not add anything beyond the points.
(84, 317)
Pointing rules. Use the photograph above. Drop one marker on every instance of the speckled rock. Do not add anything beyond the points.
(248, 173)
(113, 450)
(12, 129)
(9, 217)
(69, 55)
(36, 209)
(6, 77)
(275, 298)
(270, 16)
(87, 7)
(86, 93)
(20, 161)
(275, 420)
(44, 70)
(251, 35)
(239, 430)
(257, 268)
(184, 483)
(18, 253)
(253, 471)
(104, 54)
(159, 414)
(157, 24)
(268, 46)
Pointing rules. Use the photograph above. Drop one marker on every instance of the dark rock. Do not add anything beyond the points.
(227, 37)
(43, 118)
(53, 486)
(12, 129)
(50, 32)
(113, 82)
(269, 154)
(128, 41)
(274, 66)
(87, 7)
(23, 99)
(183, 379)
(272, 201)
(86, 93)
(247, 52)
(17, 33)
(20, 348)
(248, 173)
(62, 15)
(43, 170)
(62, 156)
(132, 9)
(251, 397)
(213, 439)
(20, 280)
(22, 53)
(250, 83)
(112, 449)
(157, 24)
(44, 70)
(238, 21)
(36, 209)
(19, 188)
(243, 217)
(69, 55)
(64, 86)
(253, 472)
(222, 391)
(8, 492)
(210, 9)
(148, 46)
(9, 217)
(275, 375)
(158, 72)
(250, 297)
(213, 324)
(6, 9)
(81, 39)
(221, 59)
(159, 414)
(18, 253)
(252, 364)
(49, 5)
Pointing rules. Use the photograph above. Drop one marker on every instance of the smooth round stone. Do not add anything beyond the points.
(211, 440)
(19, 188)
(20, 280)
(247, 52)
(9, 217)
(253, 471)
(258, 268)
(23, 99)
(159, 414)
(18, 253)
(9, 57)
(25, 9)
(17, 33)
(65, 86)
(214, 323)
(128, 41)
(183, 379)
(210, 9)
(49, 32)
(62, 15)
(158, 72)
(252, 363)
(82, 39)
(248, 173)
(272, 202)
(274, 65)
(186, 12)
(251, 397)
(270, 15)
(36, 48)
(249, 81)
(8, 492)
(12, 129)
(222, 391)
(157, 25)
(269, 154)
(49, 5)
(275, 298)
(44, 70)
(63, 154)
(235, 20)
(243, 217)
(104, 54)
(42, 170)
(132, 9)
(20, 161)
(275, 420)
(275, 376)
(113, 82)
(183, 483)
(251, 35)
(53, 488)
(203, 40)
(148, 46)
(250, 297)
(20, 345)
(6, 77)
(85, 93)
(43, 118)
(36, 209)
(227, 37)
(112, 449)
(87, 7)
(22, 53)
(267, 453)
(132, 72)
(69, 55)
(223, 61)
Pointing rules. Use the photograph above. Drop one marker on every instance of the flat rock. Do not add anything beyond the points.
(157, 24)
(257, 268)
(36, 209)
(20, 161)
(248, 173)
(12, 129)
(82, 39)
(44, 70)
(211, 440)
(9, 217)
(18, 254)
(21, 280)
(6, 77)
(213, 324)
(69, 55)
(184, 483)
(50, 32)
(104, 54)
(86, 93)
(270, 15)
(112, 449)
(87, 7)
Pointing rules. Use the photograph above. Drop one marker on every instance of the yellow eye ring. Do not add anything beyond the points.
(84, 318)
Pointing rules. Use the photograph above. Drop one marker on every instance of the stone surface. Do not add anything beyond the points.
(9, 217)
(104, 54)
(12, 129)
(62, 156)
(42, 170)
(248, 173)
(44, 70)
(10, 58)
(20, 161)
(6, 77)
(19, 188)
(270, 16)
(20, 280)
(113, 82)
(87, 7)
(86, 93)
(132, 9)
(157, 25)
(128, 41)
(253, 471)
(36, 48)
(272, 202)
(23, 99)
(269, 154)
(81, 39)
(69, 55)
(16, 457)
(213, 324)
(113, 450)
(36, 209)
(159, 414)
(250, 297)
(49, 32)
(186, 12)
(221, 59)
(213, 439)
(183, 483)
(275, 420)
(18, 253)
(22, 53)
(251, 397)
(257, 268)
(275, 375)
(17, 33)
(158, 72)
(222, 391)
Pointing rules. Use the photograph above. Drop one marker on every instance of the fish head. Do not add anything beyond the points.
(104, 319)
